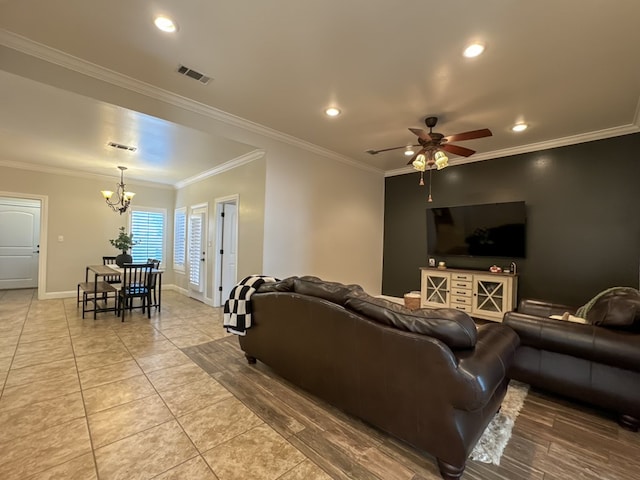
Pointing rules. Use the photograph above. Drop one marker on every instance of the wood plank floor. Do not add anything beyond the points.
(553, 438)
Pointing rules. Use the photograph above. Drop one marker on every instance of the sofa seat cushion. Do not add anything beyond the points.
(453, 327)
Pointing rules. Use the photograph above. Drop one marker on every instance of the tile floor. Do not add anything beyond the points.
(84, 399)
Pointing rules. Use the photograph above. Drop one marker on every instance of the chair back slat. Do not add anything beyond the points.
(108, 260)
(136, 277)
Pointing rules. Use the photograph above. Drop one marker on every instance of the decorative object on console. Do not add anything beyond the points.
(122, 197)
(442, 265)
(434, 146)
(495, 269)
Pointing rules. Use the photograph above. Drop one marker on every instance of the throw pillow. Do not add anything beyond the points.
(619, 308)
(453, 327)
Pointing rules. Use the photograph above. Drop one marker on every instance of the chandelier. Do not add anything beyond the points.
(422, 162)
(122, 198)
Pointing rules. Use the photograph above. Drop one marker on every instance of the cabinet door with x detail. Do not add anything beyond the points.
(435, 289)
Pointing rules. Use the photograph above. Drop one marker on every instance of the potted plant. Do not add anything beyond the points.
(123, 243)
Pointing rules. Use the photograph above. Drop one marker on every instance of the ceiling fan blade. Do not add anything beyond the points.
(455, 149)
(416, 156)
(421, 134)
(375, 152)
(484, 132)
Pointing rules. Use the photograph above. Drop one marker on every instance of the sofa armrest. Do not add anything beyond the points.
(617, 348)
(484, 368)
(543, 309)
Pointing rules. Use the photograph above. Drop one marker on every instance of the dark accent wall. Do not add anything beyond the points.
(583, 218)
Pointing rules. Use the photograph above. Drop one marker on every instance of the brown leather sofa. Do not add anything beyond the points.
(427, 377)
(597, 362)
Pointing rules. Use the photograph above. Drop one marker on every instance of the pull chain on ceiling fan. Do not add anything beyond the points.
(434, 145)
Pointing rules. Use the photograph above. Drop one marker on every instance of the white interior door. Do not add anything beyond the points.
(19, 237)
(197, 252)
(229, 250)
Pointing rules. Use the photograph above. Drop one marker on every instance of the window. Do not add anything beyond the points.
(179, 238)
(147, 227)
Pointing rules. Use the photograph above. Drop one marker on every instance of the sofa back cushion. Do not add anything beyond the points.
(332, 291)
(285, 285)
(453, 327)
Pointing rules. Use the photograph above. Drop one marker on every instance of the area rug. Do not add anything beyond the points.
(495, 438)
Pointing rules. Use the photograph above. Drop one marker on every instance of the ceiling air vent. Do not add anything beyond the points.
(189, 72)
(120, 146)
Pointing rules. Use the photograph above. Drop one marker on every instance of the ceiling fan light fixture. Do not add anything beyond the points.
(332, 112)
(441, 160)
(165, 24)
(473, 50)
(519, 127)
(420, 163)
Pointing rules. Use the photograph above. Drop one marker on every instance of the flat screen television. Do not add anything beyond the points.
(487, 230)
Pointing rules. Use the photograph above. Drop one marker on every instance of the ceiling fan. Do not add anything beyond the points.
(433, 145)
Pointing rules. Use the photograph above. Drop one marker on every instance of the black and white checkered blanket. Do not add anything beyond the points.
(237, 309)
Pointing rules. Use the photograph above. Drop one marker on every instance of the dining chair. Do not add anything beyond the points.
(154, 280)
(107, 260)
(136, 278)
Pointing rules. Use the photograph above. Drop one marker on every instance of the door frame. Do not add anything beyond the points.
(44, 216)
(205, 246)
(219, 202)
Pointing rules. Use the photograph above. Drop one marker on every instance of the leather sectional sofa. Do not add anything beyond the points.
(427, 377)
(597, 362)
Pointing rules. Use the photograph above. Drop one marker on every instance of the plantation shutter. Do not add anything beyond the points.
(179, 239)
(147, 228)
(195, 245)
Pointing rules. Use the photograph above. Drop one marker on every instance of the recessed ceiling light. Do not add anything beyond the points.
(165, 24)
(519, 127)
(332, 111)
(409, 151)
(473, 50)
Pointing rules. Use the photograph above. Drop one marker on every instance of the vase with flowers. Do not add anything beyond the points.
(123, 242)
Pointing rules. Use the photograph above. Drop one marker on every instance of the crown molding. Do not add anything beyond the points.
(535, 147)
(231, 164)
(62, 59)
(79, 174)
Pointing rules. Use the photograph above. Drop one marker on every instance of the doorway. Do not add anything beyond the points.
(20, 239)
(226, 273)
(197, 243)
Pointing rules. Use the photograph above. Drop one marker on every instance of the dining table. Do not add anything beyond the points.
(100, 273)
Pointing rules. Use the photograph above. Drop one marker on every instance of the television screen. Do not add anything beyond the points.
(488, 230)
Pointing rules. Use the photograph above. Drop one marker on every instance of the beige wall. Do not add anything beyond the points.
(248, 182)
(323, 218)
(77, 212)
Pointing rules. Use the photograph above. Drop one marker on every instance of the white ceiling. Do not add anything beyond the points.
(569, 68)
